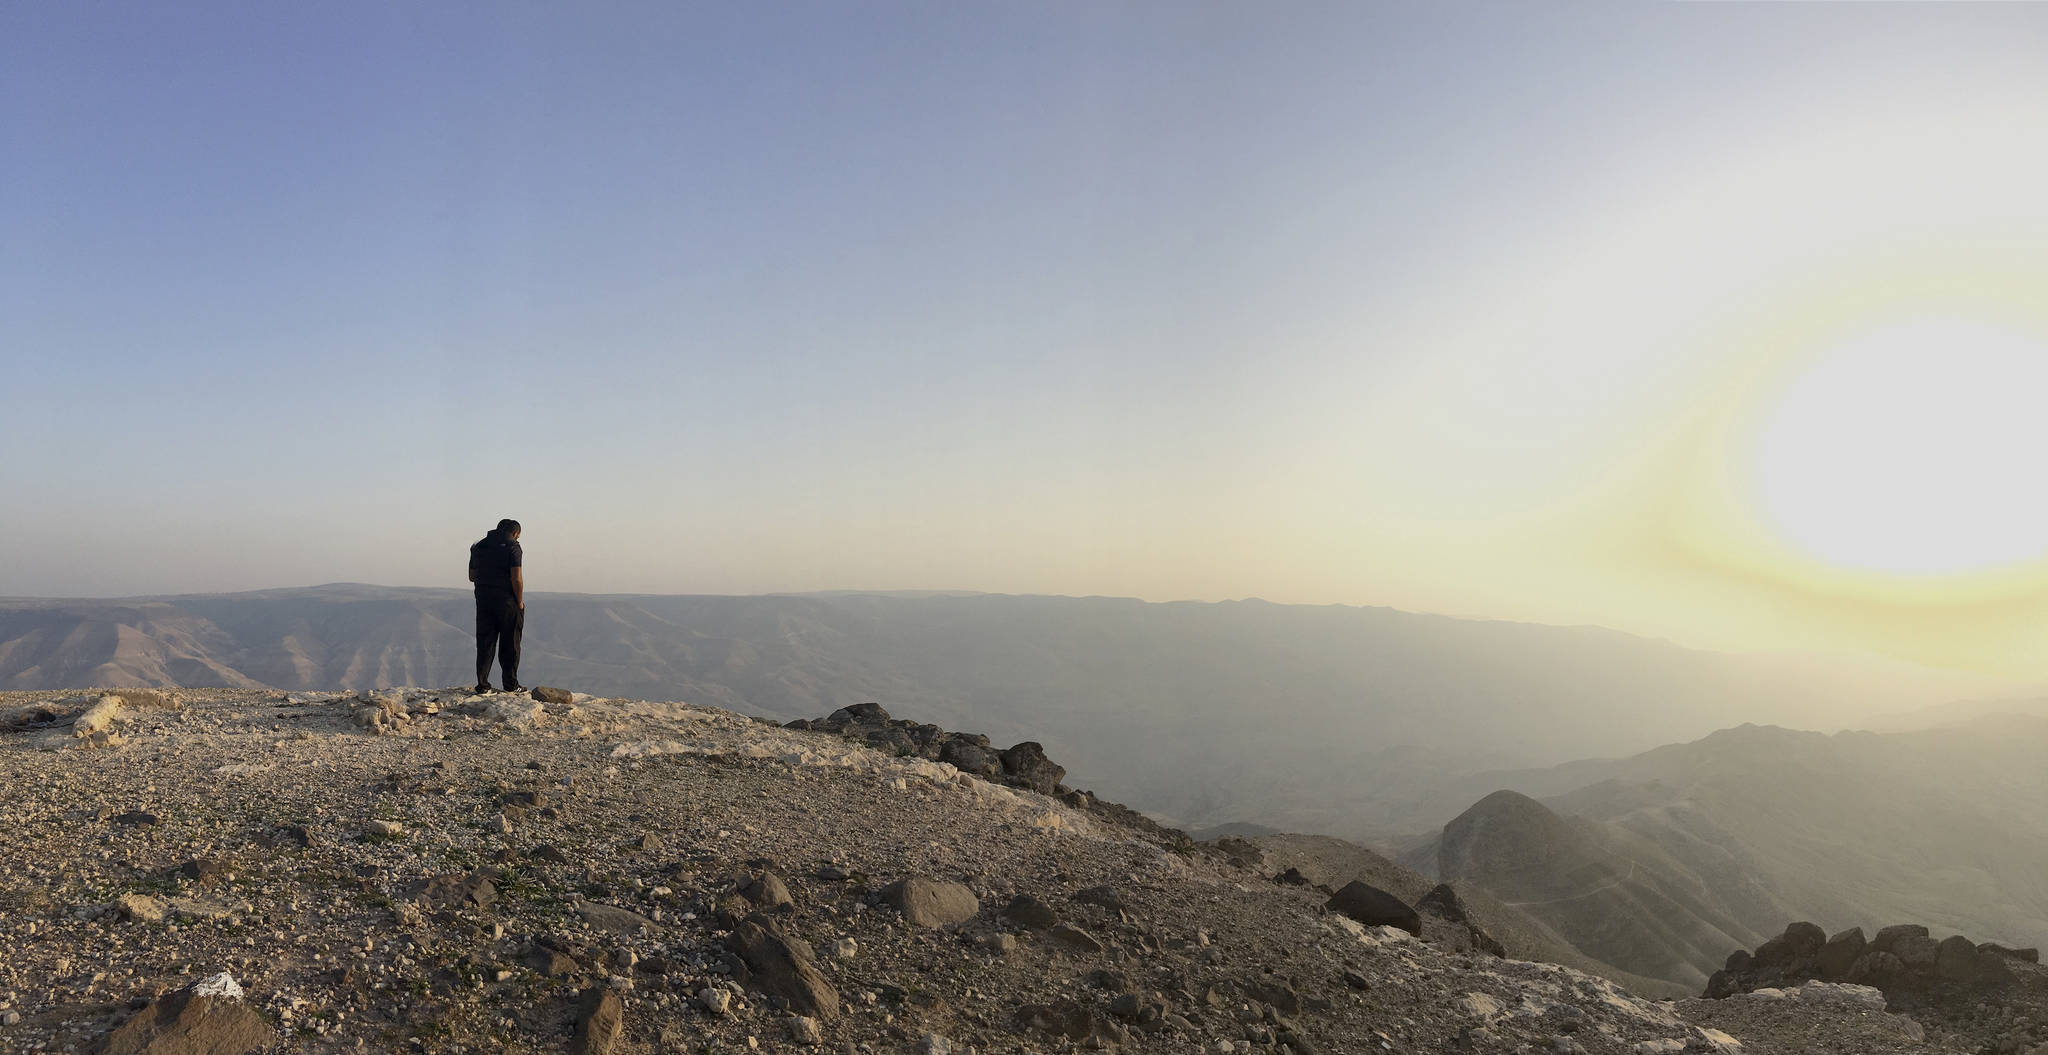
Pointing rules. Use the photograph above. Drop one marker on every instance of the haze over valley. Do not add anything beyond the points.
(1145, 527)
(1358, 722)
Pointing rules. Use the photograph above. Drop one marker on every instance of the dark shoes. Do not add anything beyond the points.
(513, 686)
(481, 688)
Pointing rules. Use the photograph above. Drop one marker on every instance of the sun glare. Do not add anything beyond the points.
(1913, 450)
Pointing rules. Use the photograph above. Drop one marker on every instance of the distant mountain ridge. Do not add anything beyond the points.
(1307, 718)
(1662, 863)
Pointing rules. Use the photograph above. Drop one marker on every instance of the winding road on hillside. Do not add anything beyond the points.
(1609, 885)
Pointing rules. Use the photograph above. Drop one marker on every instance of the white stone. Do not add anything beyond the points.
(845, 949)
(716, 1001)
(520, 712)
(1819, 992)
(141, 907)
(221, 985)
(1479, 1005)
(97, 717)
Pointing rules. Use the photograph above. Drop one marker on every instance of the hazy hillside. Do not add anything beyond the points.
(1664, 862)
(1331, 862)
(1615, 895)
(1327, 719)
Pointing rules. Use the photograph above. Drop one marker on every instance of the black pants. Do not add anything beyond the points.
(499, 622)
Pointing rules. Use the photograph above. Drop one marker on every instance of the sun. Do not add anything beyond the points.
(1916, 449)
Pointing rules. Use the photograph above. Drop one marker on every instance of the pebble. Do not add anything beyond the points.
(716, 1001)
(845, 949)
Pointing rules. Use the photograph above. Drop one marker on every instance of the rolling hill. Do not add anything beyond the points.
(1662, 863)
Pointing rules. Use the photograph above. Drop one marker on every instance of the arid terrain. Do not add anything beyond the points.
(1331, 719)
(432, 871)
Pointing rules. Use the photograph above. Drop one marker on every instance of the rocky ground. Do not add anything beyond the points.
(240, 871)
(1970, 997)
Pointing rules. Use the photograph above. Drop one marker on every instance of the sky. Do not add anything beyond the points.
(1718, 322)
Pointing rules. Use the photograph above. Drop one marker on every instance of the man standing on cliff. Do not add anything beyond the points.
(496, 567)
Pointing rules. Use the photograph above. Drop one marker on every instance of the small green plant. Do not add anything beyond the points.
(516, 883)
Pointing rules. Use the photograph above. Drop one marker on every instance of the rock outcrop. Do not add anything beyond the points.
(207, 1017)
(1374, 907)
(1023, 765)
(1902, 958)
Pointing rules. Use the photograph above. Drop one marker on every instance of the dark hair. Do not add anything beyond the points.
(507, 527)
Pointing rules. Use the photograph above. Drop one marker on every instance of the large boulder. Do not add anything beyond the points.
(858, 714)
(599, 1020)
(925, 903)
(1026, 766)
(1841, 953)
(1374, 907)
(1888, 936)
(1957, 959)
(98, 717)
(205, 1018)
(1775, 953)
(766, 892)
(783, 967)
(1917, 951)
(972, 758)
(1880, 969)
(1805, 939)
